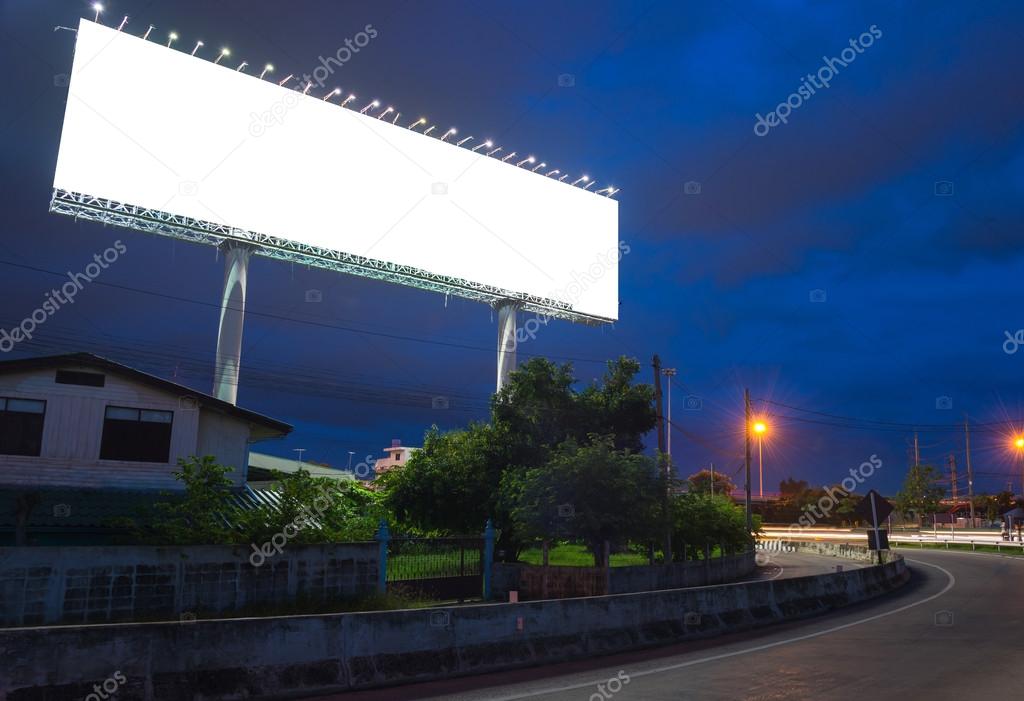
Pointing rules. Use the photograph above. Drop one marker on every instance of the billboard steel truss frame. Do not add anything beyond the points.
(153, 221)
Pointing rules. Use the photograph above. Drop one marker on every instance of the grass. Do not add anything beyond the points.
(978, 547)
(575, 555)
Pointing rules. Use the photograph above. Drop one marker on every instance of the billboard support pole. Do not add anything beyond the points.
(506, 340)
(232, 319)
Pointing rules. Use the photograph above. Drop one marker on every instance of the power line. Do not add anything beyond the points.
(318, 324)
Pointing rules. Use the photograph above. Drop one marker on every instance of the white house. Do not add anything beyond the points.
(84, 422)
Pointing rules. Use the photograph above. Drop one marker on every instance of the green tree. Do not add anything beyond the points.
(323, 510)
(197, 516)
(921, 491)
(791, 488)
(453, 484)
(701, 520)
(592, 493)
(700, 483)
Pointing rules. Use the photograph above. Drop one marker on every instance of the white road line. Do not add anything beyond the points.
(757, 648)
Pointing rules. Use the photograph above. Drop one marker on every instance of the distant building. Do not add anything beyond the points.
(397, 456)
(84, 439)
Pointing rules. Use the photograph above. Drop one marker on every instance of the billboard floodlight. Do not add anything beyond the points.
(171, 38)
(332, 93)
(491, 153)
(581, 179)
(286, 79)
(486, 144)
(222, 54)
(528, 159)
(548, 175)
(375, 103)
(305, 90)
(146, 35)
(348, 99)
(196, 47)
(269, 68)
(98, 8)
(449, 133)
(462, 141)
(508, 157)
(241, 66)
(587, 186)
(537, 167)
(429, 129)
(123, 22)
(421, 120)
(385, 113)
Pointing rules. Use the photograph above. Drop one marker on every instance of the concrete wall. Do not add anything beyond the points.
(274, 657)
(555, 582)
(46, 585)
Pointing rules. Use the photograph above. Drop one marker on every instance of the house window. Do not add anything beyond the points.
(21, 426)
(139, 435)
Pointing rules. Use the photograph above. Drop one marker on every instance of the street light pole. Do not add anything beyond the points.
(746, 433)
(760, 468)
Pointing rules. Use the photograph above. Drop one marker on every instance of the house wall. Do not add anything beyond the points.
(228, 439)
(73, 428)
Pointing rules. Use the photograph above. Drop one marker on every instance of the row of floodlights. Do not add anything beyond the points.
(386, 113)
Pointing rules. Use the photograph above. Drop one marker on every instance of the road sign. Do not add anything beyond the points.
(873, 508)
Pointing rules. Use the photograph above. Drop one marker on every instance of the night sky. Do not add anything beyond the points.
(864, 259)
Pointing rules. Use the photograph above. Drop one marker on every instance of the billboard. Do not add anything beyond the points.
(158, 140)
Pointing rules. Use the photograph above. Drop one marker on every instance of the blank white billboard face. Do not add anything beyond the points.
(154, 127)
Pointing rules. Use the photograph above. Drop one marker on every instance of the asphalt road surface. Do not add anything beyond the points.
(953, 632)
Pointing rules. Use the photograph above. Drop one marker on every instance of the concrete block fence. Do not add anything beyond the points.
(49, 585)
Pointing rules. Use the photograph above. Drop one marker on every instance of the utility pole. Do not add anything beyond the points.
(917, 452)
(712, 479)
(746, 433)
(970, 473)
(952, 474)
(669, 373)
(667, 548)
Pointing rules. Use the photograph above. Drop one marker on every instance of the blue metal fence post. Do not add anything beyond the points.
(488, 558)
(382, 538)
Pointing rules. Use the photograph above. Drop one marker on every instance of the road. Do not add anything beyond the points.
(952, 632)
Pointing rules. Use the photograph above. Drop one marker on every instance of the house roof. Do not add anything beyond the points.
(272, 427)
(261, 465)
(96, 510)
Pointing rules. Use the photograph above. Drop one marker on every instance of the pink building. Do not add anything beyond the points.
(397, 455)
